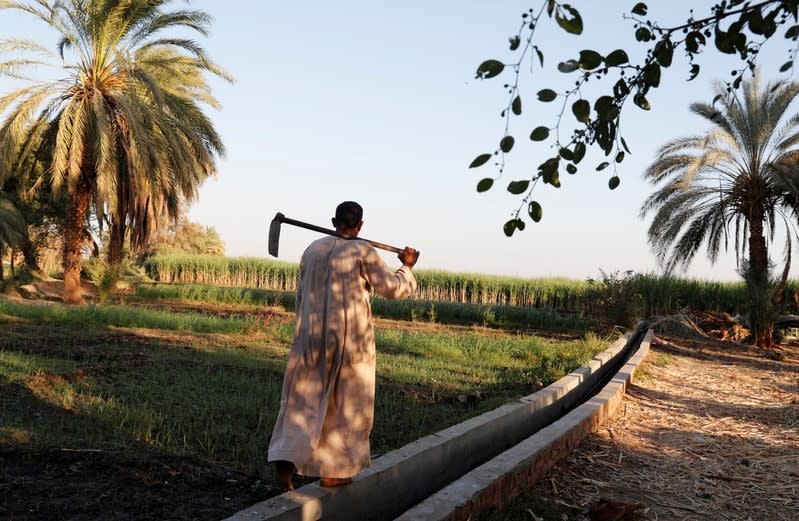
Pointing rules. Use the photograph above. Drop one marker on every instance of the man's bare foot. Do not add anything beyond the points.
(335, 482)
(283, 471)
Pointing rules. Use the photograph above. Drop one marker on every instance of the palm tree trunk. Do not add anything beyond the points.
(77, 211)
(758, 264)
(116, 243)
(116, 246)
(29, 254)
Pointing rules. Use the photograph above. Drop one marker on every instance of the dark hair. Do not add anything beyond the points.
(349, 214)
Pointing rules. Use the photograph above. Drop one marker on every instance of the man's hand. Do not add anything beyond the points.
(409, 256)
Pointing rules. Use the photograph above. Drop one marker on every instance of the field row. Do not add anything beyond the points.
(649, 294)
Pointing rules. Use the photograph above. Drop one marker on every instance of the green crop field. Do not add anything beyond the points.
(651, 294)
(153, 386)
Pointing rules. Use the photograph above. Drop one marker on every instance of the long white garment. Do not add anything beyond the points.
(327, 405)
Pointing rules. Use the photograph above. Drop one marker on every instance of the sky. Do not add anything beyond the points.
(377, 102)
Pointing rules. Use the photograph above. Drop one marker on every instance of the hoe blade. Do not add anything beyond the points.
(274, 234)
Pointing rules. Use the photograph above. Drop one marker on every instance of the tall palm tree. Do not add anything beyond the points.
(124, 123)
(738, 180)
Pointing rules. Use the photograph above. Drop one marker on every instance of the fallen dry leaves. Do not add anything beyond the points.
(709, 430)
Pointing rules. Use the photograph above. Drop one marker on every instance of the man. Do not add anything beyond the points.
(327, 405)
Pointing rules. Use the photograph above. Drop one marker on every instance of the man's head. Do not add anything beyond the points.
(349, 218)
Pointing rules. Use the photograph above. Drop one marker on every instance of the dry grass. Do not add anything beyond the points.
(709, 431)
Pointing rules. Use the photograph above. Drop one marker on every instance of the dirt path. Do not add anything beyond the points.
(709, 431)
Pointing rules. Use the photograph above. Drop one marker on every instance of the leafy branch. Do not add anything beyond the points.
(752, 24)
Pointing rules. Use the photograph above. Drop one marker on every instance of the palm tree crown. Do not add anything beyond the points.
(739, 179)
(123, 129)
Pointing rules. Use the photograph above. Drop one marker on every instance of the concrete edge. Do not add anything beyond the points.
(398, 470)
(498, 481)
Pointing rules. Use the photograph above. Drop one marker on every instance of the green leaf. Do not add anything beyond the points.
(642, 34)
(547, 95)
(652, 74)
(639, 9)
(756, 23)
(620, 89)
(549, 170)
(539, 134)
(485, 184)
(620, 157)
(566, 154)
(568, 66)
(570, 168)
(640, 100)
(617, 57)
(549, 166)
(725, 42)
(786, 66)
(694, 71)
(516, 106)
(574, 24)
(550, 7)
(590, 59)
(693, 40)
(579, 152)
(664, 52)
(506, 144)
(613, 182)
(489, 69)
(792, 33)
(480, 160)
(605, 108)
(605, 135)
(540, 55)
(603, 165)
(535, 211)
(624, 144)
(518, 187)
(581, 110)
(514, 42)
(512, 225)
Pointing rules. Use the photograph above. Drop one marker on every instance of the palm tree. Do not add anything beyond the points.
(738, 179)
(124, 124)
(12, 228)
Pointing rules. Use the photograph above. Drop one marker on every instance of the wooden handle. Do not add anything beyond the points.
(328, 231)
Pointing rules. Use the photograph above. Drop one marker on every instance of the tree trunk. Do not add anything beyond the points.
(29, 253)
(116, 242)
(77, 211)
(758, 265)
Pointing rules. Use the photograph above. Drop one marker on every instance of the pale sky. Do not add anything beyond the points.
(377, 102)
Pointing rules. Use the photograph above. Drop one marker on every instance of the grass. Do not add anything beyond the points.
(498, 316)
(125, 316)
(195, 384)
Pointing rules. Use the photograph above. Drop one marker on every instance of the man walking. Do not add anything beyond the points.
(327, 403)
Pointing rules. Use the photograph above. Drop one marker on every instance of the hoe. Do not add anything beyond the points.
(274, 234)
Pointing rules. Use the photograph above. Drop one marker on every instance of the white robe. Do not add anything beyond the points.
(327, 403)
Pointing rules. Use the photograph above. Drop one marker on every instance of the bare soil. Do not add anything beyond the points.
(708, 431)
(83, 485)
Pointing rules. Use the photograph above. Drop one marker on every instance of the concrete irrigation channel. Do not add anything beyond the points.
(458, 472)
